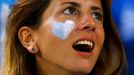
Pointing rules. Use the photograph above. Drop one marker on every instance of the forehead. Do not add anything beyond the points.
(80, 2)
(56, 5)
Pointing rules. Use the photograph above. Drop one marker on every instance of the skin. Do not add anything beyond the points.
(57, 57)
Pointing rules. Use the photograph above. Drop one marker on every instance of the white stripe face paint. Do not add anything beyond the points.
(62, 30)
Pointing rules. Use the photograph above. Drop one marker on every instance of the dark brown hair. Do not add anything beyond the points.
(18, 61)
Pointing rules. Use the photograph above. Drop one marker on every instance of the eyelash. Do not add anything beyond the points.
(97, 15)
(73, 11)
(70, 11)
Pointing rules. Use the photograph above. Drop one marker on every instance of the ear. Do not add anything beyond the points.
(27, 38)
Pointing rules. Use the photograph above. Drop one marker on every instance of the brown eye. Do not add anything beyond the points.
(97, 15)
(70, 11)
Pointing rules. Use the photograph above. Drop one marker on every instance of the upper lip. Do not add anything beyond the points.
(85, 37)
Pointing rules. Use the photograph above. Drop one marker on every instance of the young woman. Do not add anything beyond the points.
(63, 37)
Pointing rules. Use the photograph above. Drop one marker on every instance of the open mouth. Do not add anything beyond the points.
(83, 46)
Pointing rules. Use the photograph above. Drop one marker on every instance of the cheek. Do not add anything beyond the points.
(100, 36)
(62, 30)
(43, 36)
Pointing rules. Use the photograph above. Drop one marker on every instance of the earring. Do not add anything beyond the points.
(33, 49)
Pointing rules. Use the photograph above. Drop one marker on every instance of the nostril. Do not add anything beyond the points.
(89, 28)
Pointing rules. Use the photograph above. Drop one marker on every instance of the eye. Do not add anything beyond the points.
(70, 11)
(97, 15)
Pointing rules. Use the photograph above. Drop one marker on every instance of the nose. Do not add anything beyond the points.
(87, 23)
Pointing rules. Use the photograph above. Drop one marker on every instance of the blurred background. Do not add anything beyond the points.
(4, 11)
(123, 15)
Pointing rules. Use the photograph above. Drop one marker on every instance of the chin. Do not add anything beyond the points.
(83, 69)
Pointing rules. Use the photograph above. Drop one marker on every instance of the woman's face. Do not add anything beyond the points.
(71, 35)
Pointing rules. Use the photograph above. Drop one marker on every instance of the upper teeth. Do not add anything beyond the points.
(85, 42)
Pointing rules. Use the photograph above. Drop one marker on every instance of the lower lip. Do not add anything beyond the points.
(83, 53)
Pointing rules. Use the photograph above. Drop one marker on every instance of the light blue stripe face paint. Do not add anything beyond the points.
(62, 30)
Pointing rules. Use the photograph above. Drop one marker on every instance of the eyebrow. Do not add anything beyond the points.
(75, 4)
(96, 8)
(72, 4)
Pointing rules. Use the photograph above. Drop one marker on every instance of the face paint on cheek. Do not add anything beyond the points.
(62, 30)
